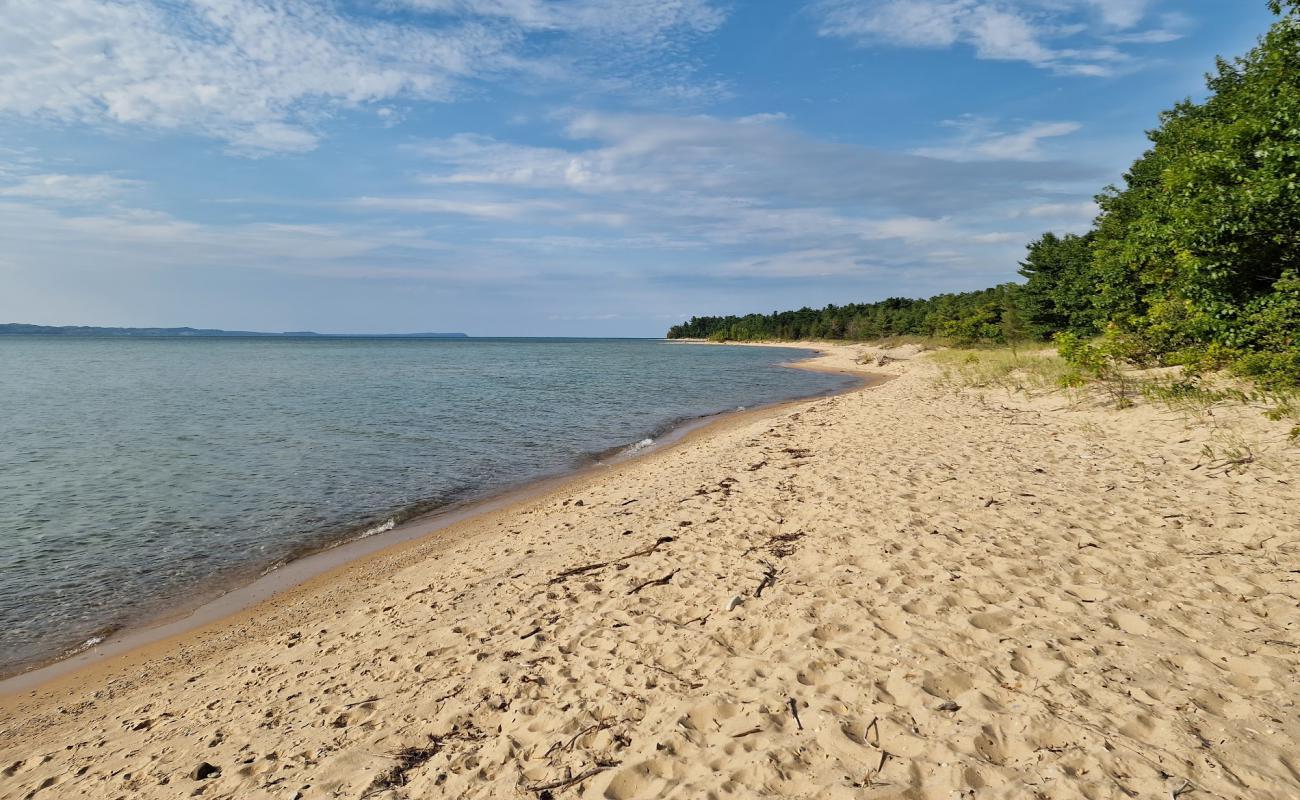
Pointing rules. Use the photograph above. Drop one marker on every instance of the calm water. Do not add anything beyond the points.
(137, 472)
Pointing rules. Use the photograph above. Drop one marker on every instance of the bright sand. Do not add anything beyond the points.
(961, 596)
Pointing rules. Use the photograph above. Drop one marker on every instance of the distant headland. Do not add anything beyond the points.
(16, 328)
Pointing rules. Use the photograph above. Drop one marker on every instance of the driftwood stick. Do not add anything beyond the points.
(654, 582)
(794, 712)
(769, 579)
(568, 573)
(362, 702)
(579, 778)
(573, 740)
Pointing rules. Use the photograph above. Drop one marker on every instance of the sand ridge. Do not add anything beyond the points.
(900, 592)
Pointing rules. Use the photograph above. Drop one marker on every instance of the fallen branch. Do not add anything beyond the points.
(568, 573)
(654, 582)
(884, 756)
(546, 788)
(769, 579)
(594, 728)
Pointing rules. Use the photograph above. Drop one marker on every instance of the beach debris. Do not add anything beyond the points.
(1187, 786)
(654, 582)
(408, 759)
(949, 705)
(568, 573)
(204, 771)
(794, 712)
(735, 602)
(782, 545)
(769, 579)
(573, 740)
(874, 725)
(545, 791)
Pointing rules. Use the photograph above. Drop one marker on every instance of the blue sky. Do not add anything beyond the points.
(559, 167)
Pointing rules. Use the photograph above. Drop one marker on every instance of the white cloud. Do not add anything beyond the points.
(1074, 216)
(977, 140)
(261, 74)
(1000, 30)
(743, 161)
(789, 204)
(507, 210)
(730, 198)
(644, 24)
(68, 188)
(1121, 13)
(998, 237)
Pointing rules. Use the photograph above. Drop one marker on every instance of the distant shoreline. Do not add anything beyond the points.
(22, 329)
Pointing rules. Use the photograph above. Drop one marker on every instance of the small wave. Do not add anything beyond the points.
(639, 446)
(383, 527)
(272, 568)
(84, 646)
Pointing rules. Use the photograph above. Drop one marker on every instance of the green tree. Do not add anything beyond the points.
(1208, 221)
(1059, 286)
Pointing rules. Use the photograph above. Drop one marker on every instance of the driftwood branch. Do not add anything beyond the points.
(769, 579)
(573, 740)
(654, 582)
(568, 573)
(547, 788)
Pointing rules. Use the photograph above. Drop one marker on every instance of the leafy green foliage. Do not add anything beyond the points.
(1195, 256)
(964, 318)
(1059, 286)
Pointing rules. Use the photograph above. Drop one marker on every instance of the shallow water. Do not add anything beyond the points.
(137, 472)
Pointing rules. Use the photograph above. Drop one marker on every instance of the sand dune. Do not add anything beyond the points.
(901, 592)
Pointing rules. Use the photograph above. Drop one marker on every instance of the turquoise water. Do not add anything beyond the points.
(135, 473)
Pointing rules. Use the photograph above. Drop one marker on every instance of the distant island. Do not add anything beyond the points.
(16, 328)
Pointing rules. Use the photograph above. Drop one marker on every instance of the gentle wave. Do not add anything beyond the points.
(640, 446)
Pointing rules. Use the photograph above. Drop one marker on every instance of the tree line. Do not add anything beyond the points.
(1194, 258)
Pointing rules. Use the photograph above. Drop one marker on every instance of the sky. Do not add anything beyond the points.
(560, 167)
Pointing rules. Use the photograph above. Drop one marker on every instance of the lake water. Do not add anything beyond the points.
(138, 472)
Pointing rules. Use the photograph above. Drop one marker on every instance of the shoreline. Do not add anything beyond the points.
(243, 595)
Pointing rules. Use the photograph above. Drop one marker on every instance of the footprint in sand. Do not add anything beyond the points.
(1130, 623)
(993, 622)
(1035, 664)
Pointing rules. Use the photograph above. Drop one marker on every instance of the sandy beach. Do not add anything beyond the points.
(904, 591)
